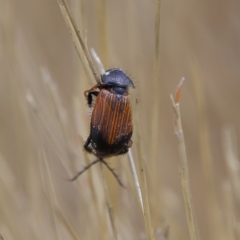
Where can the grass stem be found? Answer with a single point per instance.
(134, 172)
(109, 206)
(183, 169)
(79, 44)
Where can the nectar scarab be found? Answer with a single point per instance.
(111, 121)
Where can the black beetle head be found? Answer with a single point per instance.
(115, 77)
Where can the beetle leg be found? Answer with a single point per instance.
(98, 85)
(84, 169)
(90, 97)
(90, 92)
(88, 148)
(86, 145)
(93, 88)
(91, 164)
(112, 171)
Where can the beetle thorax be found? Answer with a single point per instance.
(119, 91)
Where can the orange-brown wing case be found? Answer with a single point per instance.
(111, 124)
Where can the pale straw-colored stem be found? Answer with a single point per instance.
(146, 209)
(232, 160)
(109, 206)
(183, 168)
(79, 44)
(52, 200)
(136, 181)
(233, 167)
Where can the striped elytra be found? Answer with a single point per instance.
(111, 124)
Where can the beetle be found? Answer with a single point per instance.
(111, 125)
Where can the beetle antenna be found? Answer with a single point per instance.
(84, 169)
(112, 171)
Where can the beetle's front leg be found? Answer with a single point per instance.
(88, 94)
(89, 97)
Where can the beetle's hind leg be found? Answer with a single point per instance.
(90, 150)
(112, 171)
(91, 164)
(84, 169)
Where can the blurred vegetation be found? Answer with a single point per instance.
(44, 119)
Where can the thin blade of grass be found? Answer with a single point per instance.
(156, 77)
(213, 208)
(53, 202)
(233, 167)
(134, 172)
(109, 206)
(146, 209)
(34, 107)
(79, 44)
(183, 169)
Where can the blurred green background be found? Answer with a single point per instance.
(44, 118)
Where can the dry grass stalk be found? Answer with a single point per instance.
(79, 44)
(134, 172)
(229, 211)
(183, 169)
(146, 209)
(48, 190)
(213, 210)
(156, 78)
(154, 152)
(51, 200)
(102, 20)
(109, 206)
(97, 60)
(57, 103)
(34, 107)
(233, 167)
(232, 160)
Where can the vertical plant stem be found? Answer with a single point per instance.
(34, 107)
(79, 44)
(134, 172)
(213, 207)
(146, 209)
(233, 167)
(183, 169)
(109, 206)
(52, 200)
(102, 20)
(155, 136)
(156, 77)
(232, 161)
